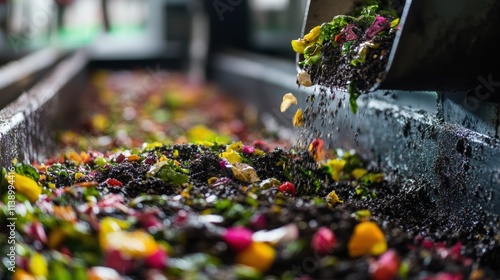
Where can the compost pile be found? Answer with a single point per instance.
(176, 181)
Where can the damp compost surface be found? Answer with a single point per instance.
(207, 200)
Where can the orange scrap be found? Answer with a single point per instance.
(367, 239)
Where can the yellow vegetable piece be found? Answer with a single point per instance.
(258, 152)
(163, 158)
(27, 187)
(74, 156)
(332, 198)
(236, 146)
(84, 157)
(21, 274)
(367, 239)
(313, 35)
(374, 178)
(99, 122)
(231, 156)
(151, 146)
(298, 119)
(201, 134)
(335, 167)
(78, 175)
(38, 265)
(136, 244)
(309, 39)
(288, 100)
(357, 173)
(133, 158)
(245, 173)
(109, 225)
(300, 45)
(258, 255)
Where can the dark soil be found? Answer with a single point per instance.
(336, 71)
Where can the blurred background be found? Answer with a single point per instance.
(149, 29)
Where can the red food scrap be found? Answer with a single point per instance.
(157, 260)
(120, 158)
(380, 24)
(316, 149)
(261, 145)
(386, 267)
(349, 33)
(238, 238)
(37, 232)
(247, 150)
(323, 240)
(288, 187)
(113, 182)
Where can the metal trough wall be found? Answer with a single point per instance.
(28, 124)
(458, 166)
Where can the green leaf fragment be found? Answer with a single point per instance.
(244, 272)
(353, 96)
(395, 23)
(27, 170)
(169, 172)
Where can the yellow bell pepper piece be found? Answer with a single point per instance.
(357, 173)
(136, 244)
(298, 118)
(38, 265)
(236, 146)
(99, 122)
(109, 225)
(336, 166)
(27, 187)
(309, 39)
(79, 175)
(231, 156)
(313, 35)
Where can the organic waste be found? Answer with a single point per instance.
(351, 51)
(176, 181)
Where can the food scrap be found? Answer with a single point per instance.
(288, 100)
(367, 239)
(298, 118)
(351, 51)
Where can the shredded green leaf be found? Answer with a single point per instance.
(27, 170)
